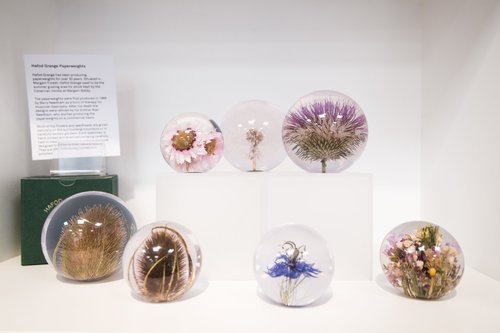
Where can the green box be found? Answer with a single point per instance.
(39, 195)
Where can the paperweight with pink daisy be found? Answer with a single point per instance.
(191, 142)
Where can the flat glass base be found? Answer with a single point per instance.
(78, 166)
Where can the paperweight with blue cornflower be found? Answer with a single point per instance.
(293, 265)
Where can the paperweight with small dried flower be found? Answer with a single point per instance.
(325, 131)
(422, 260)
(293, 265)
(191, 142)
(252, 133)
(84, 236)
(162, 261)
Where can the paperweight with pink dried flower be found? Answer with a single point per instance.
(293, 265)
(422, 260)
(191, 142)
(161, 261)
(325, 131)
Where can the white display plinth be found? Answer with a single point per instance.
(228, 212)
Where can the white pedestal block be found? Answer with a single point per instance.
(229, 211)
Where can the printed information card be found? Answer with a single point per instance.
(72, 106)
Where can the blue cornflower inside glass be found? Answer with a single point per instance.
(290, 265)
(292, 274)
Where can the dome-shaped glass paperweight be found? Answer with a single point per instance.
(252, 133)
(191, 142)
(325, 131)
(161, 261)
(293, 265)
(422, 260)
(84, 236)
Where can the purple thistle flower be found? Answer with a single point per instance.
(326, 130)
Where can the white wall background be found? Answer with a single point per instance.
(461, 122)
(174, 57)
(21, 30)
(205, 56)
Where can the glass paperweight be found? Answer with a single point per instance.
(252, 133)
(422, 260)
(325, 131)
(191, 142)
(293, 265)
(84, 236)
(161, 261)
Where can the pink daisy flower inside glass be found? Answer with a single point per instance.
(191, 142)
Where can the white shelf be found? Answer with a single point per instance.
(33, 299)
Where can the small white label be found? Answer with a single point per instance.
(72, 106)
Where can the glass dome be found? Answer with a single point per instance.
(252, 132)
(293, 265)
(191, 142)
(83, 237)
(161, 261)
(422, 260)
(325, 131)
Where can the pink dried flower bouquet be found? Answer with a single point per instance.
(422, 260)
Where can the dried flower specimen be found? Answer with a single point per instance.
(423, 263)
(91, 243)
(191, 143)
(325, 128)
(291, 266)
(286, 271)
(162, 267)
(254, 137)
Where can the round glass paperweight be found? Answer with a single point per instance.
(293, 265)
(325, 131)
(252, 133)
(422, 260)
(191, 142)
(161, 261)
(84, 236)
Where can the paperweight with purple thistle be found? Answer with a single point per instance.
(293, 265)
(325, 131)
